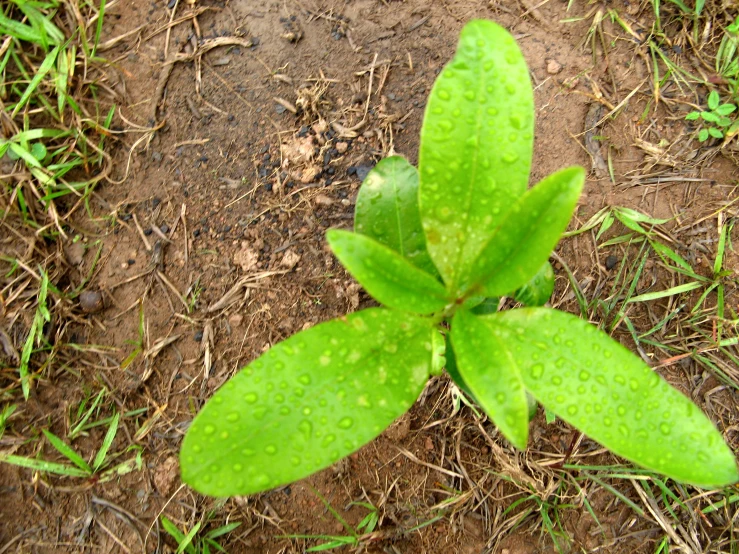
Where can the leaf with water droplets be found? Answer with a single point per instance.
(589, 380)
(492, 374)
(527, 236)
(476, 145)
(387, 211)
(453, 370)
(307, 402)
(539, 289)
(390, 278)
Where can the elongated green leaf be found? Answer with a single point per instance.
(43, 465)
(528, 235)
(386, 275)
(476, 145)
(107, 443)
(453, 370)
(43, 69)
(67, 451)
(539, 289)
(387, 211)
(492, 374)
(592, 382)
(307, 402)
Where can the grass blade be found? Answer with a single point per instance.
(107, 442)
(67, 452)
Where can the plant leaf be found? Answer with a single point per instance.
(692, 116)
(492, 374)
(713, 100)
(453, 370)
(387, 211)
(528, 235)
(710, 116)
(725, 109)
(67, 451)
(307, 402)
(539, 289)
(703, 135)
(476, 145)
(592, 382)
(386, 275)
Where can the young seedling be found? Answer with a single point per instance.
(100, 470)
(716, 118)
(192, 542)
(434, 246)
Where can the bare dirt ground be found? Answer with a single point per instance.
(249, 126)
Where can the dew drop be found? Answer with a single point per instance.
(259, 413)
(584, 375)
(270, 449)
(621, 410)
(295, 461)
(664, 428)
(444, 95)
(620, 379)
(624, 430)
(233, 416)
(238, 467)
(516, 121)
(510, 157)
(444, 213)
(328, 439)
(197, 449)
(607, 421)
(307, 411)
(703, 457)
(250, 397)
(470, 95)
(209, 430)
(634, 385)
(560, 363)
(572, 409)
(305, 379)
(500, 397)
(556, 380)
(224, 435)
(284, 410)
(537, 371)
(345, 423)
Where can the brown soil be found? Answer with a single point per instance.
(241, 190)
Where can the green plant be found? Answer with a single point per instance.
(192, 543)
(355, 536)
(727, 57)
(717, 115)
(436, 247)
(80, 467)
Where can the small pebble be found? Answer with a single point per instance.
(91, 301)
(362, 171)
(611, 262)
(553, 67)
(164, 228)
(198, 336)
